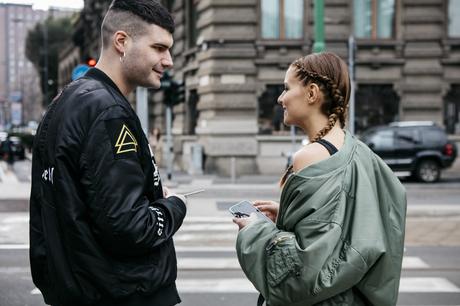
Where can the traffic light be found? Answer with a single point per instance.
(90, 61)
(174, 91)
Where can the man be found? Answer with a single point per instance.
(101, 225)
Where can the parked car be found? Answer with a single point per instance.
(419, 148)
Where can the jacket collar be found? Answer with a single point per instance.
(97, 74)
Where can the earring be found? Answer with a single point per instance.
(121, 57)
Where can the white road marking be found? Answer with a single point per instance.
(426, 284)
(14, 246)
(411, 262)
(243, 285)
(35, 291)
(207, 263)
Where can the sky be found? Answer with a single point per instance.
(44, 4)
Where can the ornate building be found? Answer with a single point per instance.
(232, 55)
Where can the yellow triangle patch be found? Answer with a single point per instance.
(126, 141)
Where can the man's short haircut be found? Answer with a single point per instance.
(132, 16)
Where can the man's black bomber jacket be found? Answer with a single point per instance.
(100, 228)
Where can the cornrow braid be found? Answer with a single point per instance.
(332, 90)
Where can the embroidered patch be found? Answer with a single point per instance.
(122, 138)
(126, 141)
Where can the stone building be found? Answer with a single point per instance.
(232, 56)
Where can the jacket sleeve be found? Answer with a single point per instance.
(311, 264)
(123, 218)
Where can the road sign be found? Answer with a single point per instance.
(79, 71)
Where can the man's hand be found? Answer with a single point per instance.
(242, 222)
(269, 208)
(167, 193)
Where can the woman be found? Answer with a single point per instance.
(339, 233)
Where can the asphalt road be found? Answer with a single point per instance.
(209, 274)
(16, 288)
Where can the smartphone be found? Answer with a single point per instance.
(245, 208)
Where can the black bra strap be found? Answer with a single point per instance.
(329, 146)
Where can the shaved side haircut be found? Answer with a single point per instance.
(133, 16)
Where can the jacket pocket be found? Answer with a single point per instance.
(282, 259)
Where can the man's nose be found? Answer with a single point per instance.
(167, 61)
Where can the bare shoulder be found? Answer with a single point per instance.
(309, 155)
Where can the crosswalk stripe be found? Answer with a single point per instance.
(199, 263)
(14, 246)
(230, 263)
(188, 263)
(187, 227)
(412, 262)
(243, 285)
(204, 249)
(426, 284)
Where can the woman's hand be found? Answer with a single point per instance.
(269, 208)
(242, 222)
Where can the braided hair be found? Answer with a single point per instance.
(330, 73)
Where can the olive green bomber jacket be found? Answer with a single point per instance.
(339, 236)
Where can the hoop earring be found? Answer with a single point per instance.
(122, 57)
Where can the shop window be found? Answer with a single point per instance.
(270, 113)
(282, 19)
(374, 19)
(452, 110)
(375, 105)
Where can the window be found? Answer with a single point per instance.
(282, 19)
(454, 18)
(376, 104)
(270, 113)
(374, 19)
(382, 140)
(433, 137)
(407, 137)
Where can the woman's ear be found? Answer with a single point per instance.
(313, 93)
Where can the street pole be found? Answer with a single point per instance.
(142, 108)
(351, 68)
(45, 54)
(169, 146)
(319, 44)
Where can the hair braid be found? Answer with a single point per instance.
(335, 109)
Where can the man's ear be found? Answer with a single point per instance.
(120, 39)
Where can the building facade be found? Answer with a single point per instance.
(19, 80)
(233, 54)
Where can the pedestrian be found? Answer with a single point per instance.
(155, 142)
(8, 153)
(101, 223)
(339, 232)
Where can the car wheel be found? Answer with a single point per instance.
(428, 171)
